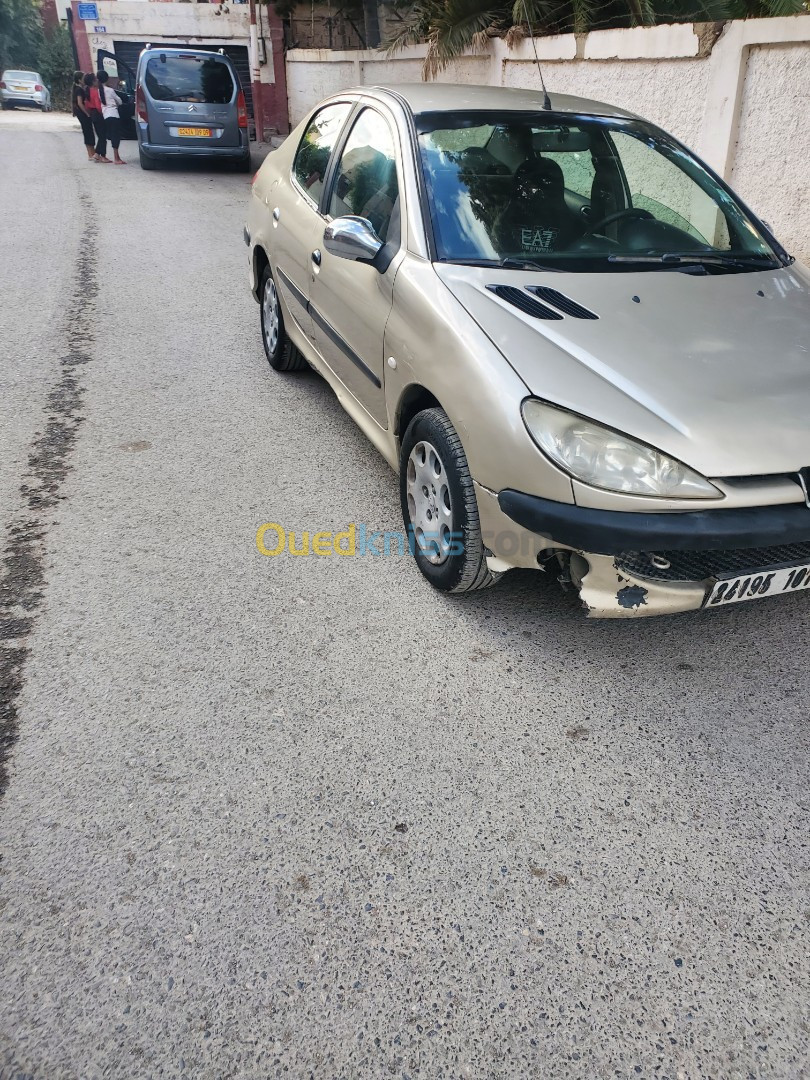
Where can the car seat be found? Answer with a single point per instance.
(536, 218)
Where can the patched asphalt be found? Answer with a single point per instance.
(302, 816)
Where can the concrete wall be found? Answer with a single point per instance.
(739, 94)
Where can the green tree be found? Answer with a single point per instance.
(56, 66)
(21, 37)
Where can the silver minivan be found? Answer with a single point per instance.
(188, 103)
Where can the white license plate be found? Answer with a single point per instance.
(759, 583)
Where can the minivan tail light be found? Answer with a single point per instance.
(39, 87)
(140, 105)
(2, 85)
(241, 109)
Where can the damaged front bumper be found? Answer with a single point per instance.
(609, 591)
(630, 564)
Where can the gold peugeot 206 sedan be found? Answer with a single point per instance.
(574, 343)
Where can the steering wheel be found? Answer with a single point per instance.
(630, 211)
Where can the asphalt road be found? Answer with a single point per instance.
(303, 817)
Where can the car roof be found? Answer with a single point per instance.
(448, 97)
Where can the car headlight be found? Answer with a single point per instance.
(606, 459)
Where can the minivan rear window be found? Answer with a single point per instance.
(206, 80)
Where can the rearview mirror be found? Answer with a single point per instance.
(353, 238)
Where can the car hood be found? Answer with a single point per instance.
(714, 370)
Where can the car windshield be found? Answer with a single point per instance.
(580, 194)
(205, 80)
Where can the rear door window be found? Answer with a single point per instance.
(315, 148)
(204, 80)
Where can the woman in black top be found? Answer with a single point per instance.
(82, 113)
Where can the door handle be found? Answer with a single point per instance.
(316, 256)
(276, 213)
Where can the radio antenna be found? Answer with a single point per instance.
(546, 98)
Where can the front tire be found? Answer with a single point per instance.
(281, 354)
(439, 507)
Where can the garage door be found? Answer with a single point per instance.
(129, 51)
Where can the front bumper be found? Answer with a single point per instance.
(610, 532)
(628, 564)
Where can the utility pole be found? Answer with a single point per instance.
(255, 76)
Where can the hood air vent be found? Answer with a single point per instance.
(518, 298)
(564, 303)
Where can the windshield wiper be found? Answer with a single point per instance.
(699, 258)
(528, 264)
(508, 263)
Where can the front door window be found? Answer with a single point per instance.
(366, 182)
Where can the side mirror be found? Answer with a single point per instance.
(353, 238)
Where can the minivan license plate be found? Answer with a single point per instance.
(759, 583)
(195, 133)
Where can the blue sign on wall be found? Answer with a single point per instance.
(88, 12)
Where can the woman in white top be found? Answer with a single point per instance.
(109, 110)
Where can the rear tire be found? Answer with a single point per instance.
(146, 162)
(244, 166)
(439, 506)
(281, 354)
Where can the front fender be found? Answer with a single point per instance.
(436, 344)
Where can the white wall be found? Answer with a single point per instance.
(774, 137)
(204, 22)
(742, 102)
(187, 23)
